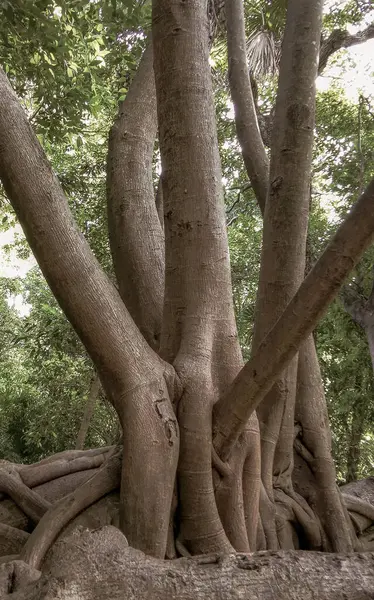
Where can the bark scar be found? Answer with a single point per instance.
(168, 421)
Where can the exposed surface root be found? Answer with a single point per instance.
(99, 565)
(103, 482)
(34, 475)
(31, 503)
(297, 524)
(70, 455)
(16, 575)
(301, 516)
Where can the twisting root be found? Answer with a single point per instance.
(30, 502)
(68, 455)
(34, 475)
(303, 515)
(46, 532)
(359, 506)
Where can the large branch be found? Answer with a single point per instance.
(339, 39)
(87, 297)
(99, 565)
(249, 136)
(132, 374)
(135, 232)
(298, 320)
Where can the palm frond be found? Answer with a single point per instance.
(265, 25)
(263, 52)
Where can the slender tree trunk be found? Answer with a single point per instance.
(253, 152)
(285, 228)
(88, 412)
(313, 442)
(135, 232)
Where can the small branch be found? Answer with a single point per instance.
(232, 220)
(248, 132)
(234, 204)
(354, 304)
(35, 113)
(342, 39)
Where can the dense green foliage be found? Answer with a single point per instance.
(71, 61)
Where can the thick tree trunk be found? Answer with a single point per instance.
(199, 334)
(71, 572)
(217, 507)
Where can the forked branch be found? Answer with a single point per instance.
(342, 39)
